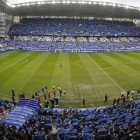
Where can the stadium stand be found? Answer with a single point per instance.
(69, 35)
(71, 27)
(29, 121)
(104, 123)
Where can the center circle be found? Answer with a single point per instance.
(89, 66)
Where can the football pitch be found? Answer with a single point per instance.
(83, 75)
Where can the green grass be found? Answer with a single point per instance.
(83, 75)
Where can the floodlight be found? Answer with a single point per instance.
(42, 2)
(83, 2)
(104, 3)
(126, 6)
(131, 7)
(64, 1)
(68, 1)
(53, 2)
(114, 4)
(89, 2)
(119, 5)
(94, 2)
(32, 3)
(109, 4)
(27, 4)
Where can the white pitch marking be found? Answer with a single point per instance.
(14, 64)
(23, 62)
(106, 73)
(96, 68)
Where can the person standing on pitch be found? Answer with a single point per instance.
(84, 102)
(13, 99)
(36, 95)
(118, 101)
(45, 88)
(106, 98)
(33, 96)
(52, 101)
(128, 93)
(124, 100)
(114, 102)
(64, 91)
(49, 95)
(39, 100)
(53, 87)
(45, 96)
(60, 91)
(138, 94)
(13, 92)
(122, 95)
(54, 93)
(38, 92)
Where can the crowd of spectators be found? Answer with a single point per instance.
(115, 122)
(118, 122)
(77, 39)
(5, 105)
(3, 44)
(5, 108)
(74, 43)
(74, 35)
(73, 27)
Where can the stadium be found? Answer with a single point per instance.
(69, 70)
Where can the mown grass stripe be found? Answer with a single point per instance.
(43, 74)
(122, 73)
(9, 76)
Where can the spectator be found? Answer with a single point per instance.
(1, 110)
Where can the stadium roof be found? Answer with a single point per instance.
(128, 2)
(71, 8)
